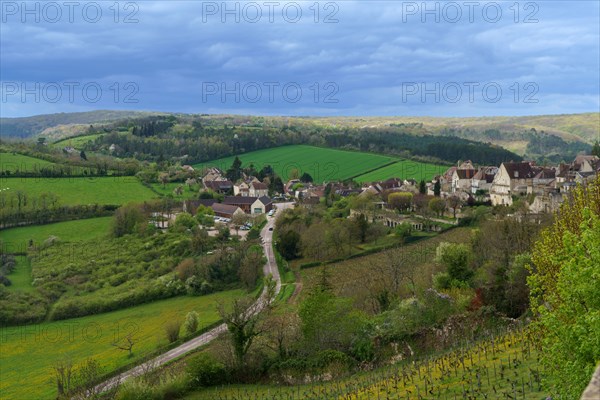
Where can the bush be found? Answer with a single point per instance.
(191, 322)
(172, 329)
(205, 370)
(168, 386)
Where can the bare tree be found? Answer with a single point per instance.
(178, 191)
(63, 373)
(283, 330)
(238, 220)
(454, 202)
(127, 344)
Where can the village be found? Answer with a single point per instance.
(395, 201)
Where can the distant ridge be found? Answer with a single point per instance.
(584, 127)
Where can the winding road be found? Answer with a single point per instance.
(270, 267)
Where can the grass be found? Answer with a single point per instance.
(74, 191)
(21, 276)
(78, 141)
(168, 188)
(18, 162)
(70, 231)
(321, 163)
(405, 169)
(504, 367)
(28, 353)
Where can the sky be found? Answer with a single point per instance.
(316, 58)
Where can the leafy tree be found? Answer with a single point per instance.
(422, 187)
(456, 258)
(242, 325)
(250, 268)
(276, 185)
(288, 244)
(438, 206)
(126, 219)
(362, 226)
(306, 178)
(402, 201)
(184, 221)
(565, 292)
(596, 149)
(437, 188)
(329, 322)
(403, 230)
(234, 173)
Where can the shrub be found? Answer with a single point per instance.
(172, 329)
(167, 386)
(191, 322)
(205, 370)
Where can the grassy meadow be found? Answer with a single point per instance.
(168, 188)
(27, 353)
(321, 163)
(405, 169)
(69, 231)
(74, 191)
(18, 162)
(21, 276)
(78, 141)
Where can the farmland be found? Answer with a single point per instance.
(506, 366)
(29, 352)
(405, 169)
(18, 162)
(70, 231)
(321, 163)
(354, 277)
(72, 191)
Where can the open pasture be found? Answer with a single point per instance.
(28, 353)
(81, 191)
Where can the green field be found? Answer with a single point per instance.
(18, 162)
(405, 169)
(322, 164)
(28, 353)
(69, 231)
(168, 188)
(73, 191)
(77, 142)
(21, 276)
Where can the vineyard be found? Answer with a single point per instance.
(501, 367)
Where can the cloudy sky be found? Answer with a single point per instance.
(301, 58)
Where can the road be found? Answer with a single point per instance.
(270, 267)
